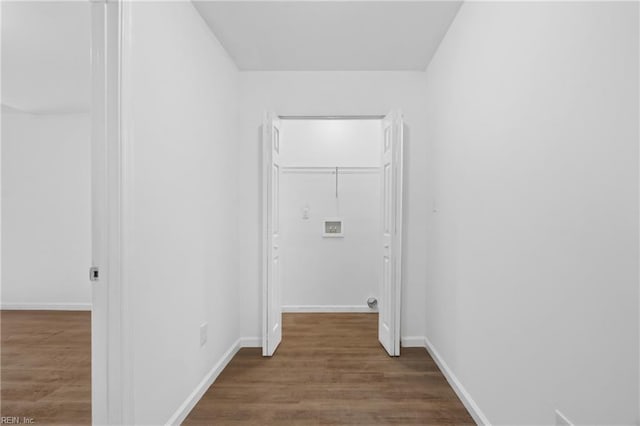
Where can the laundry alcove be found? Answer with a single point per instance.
(332, 257)
(330, 173)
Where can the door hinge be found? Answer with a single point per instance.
(94, 273)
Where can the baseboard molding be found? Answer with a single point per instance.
(327, 308)
(45, 306)
(471, 406)
(185, 408)
(412, 342)
(251, 342)
(562, 420)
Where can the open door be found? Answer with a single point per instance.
(272, 275)
(391, 253)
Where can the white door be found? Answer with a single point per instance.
(391, 260)
(272, 274)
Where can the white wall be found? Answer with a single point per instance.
(333, 93)
(532, 294)
(330, 143)
(46, 211)
(181, 132)
(326, 273)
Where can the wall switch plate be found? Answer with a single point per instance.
(561, 420)
(203, 333)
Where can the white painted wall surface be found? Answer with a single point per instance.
(318, 271)
(181, 132)
(327, 271)
(533, 253)
(330, 143)
(46, 211)
(333, 93)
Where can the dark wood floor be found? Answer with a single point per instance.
(45, 359)
(330, 369)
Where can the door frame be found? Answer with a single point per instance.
(111, 357)
(265, 258)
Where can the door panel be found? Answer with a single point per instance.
(272, 275)
(275, 179)
(391, 254)
(386, 199)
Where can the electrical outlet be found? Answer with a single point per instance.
(561, 420)
(203, 333)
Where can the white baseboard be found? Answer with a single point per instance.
(185, 408)
(562, 420)
(45, 306)
(471, 406)
(412, 342)
(327, 308)
(251, 342)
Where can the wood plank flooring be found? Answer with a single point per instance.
(45, 360)
(330, 370)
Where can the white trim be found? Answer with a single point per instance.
(327, 308)
(398, 198)
(638, 301)
(45, 306)
(111, 379)
(100, 34)
(331, 117)
(194, 397)
(266, 240)
(329, 170)
(185, 408)
(126, 212)
(251, 342)
(562, 420)
(112, 342)
(458, 388)
(412, 342)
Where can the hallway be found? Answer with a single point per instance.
(330, 369)
(455, 182)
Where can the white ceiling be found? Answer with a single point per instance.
(46, 44)
(329, 35)
(46, 55)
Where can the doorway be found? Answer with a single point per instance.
(46, 309)
(332, 209)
